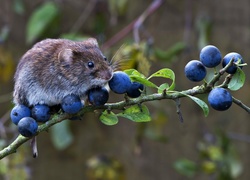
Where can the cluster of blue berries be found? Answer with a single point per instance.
(210, 56)
(27, 118)
(121, 84)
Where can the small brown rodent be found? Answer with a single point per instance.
(54, 68)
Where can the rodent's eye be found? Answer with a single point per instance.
(91, 64)
(105, 59)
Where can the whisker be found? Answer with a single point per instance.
(117, 52)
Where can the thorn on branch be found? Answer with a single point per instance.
(33, 145)
(178, 109)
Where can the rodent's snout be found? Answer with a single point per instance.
(107, 74)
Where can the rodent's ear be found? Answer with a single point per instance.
(65, 55)
(92, 41)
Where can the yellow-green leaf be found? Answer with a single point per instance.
(108, 118)
(138, 77)
(162, 87)
(136, 113)
(165, 73)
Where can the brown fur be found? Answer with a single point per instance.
(54, 68)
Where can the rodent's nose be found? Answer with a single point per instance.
(108, 75)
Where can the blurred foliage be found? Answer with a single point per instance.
(7, 65)
(216, 158)
(43, 22)
(74, 36)
(15, 167)
(104, 168)
(135, 56)
(61, 135)
(204, 28)
(171, 53)
(186, 167)
(155, 129)
(19, 7)
(118, 8)
(4, 34)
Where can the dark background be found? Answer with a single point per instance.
(174, 21)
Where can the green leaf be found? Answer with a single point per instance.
(236, 167)
(165, 73)
(237, 80)
(40, 20)
(118, 7)
(138, 77)
(162, 87)
(19, 7)
(134, 72)
(201, 103)
(61, 135)
(186, 167)
(136, 113)
(74, 36)
(108, 118)
(143, 81)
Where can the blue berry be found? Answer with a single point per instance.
(220, 99)
(195, 71)
(27, 126)
(120, 82)
(228, 57)
(18, 112)
(135, 90)
(41, 112)
(98, 96)
(210, 56)
(71, 104)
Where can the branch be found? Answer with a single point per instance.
(174, 95)
(241, 104)
(57, 118)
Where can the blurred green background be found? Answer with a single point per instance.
(213, 147)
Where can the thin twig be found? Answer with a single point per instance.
(241, 104)
(152, 7)
(121, 34)
(84, 16)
